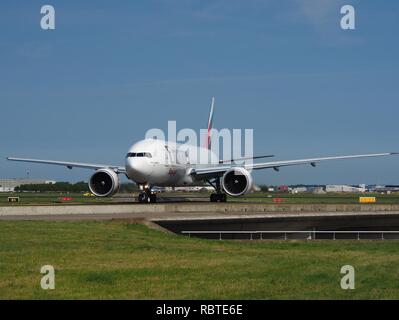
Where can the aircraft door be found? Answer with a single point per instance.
(183, 157)
(170, 155)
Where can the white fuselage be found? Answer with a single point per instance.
(165, 163)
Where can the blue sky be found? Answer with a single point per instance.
(112, 70)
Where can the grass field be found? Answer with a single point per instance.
(310, 198)
(32, 198)
(304, 198)
(128, 261)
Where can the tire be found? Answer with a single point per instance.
(153, 198)
(218, 197)
(143, 198)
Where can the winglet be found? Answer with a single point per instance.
(210, 124)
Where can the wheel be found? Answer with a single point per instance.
(153, 198)
(143, 197)
(218, 197)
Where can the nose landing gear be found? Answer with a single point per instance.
(146, 196)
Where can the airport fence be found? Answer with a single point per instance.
(296, 234)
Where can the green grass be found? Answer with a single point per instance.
(309, 198)
(259, 197)
(127, 261)
(46, 198)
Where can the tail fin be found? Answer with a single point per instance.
(210, 124)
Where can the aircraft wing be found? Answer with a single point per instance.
(71, 165)
(204, 173)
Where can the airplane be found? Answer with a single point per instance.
(154, 163)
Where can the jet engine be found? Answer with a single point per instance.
(236, 181)
(104, 183)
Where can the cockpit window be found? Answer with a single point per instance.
(139, 155)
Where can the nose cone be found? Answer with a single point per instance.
(138, 169)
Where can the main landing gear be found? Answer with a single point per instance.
(218, 196)
(146, 196)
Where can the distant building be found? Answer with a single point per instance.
(387, 188)
(318, 190)
(299, 190)
(344, 188)
(9, 185)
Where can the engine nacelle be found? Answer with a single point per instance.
(237, 181)
(104, 183)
